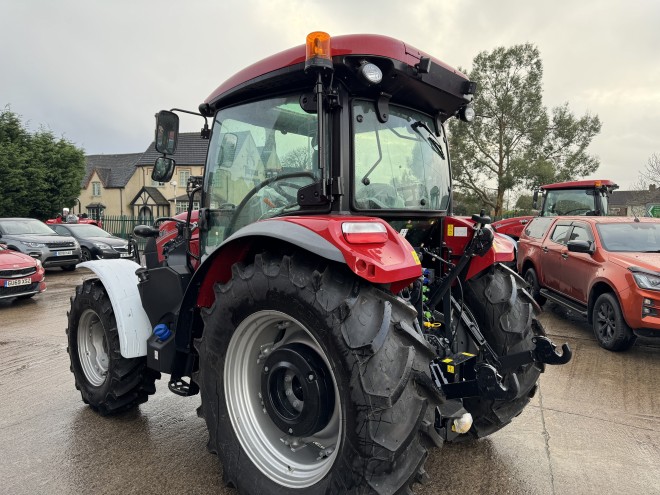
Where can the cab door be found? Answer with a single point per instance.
(552, 249)
(579, 268)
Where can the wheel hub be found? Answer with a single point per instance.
(297, 390)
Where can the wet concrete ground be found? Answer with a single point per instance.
(593, 428)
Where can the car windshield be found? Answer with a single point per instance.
(640, 237)
(88, 231)
(22, 227)
(399, 164)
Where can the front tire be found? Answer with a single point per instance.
(356, 429)
(108, 382)
(505, 314)
(610, 328)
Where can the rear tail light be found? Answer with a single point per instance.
(364, 232)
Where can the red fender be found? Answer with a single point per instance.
(392, 261)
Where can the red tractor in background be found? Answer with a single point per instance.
(584, 197)
(335, 318)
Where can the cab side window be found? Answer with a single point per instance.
(559, 234)
(580, 233)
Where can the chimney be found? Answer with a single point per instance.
(652, 187)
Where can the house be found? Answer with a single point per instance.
(121, 184)
(640, 203)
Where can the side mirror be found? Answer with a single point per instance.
(576, 246)
(163, 169)
(535, 199)
(167, 132)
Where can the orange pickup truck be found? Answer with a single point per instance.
(605, 268)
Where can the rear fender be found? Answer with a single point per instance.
(120, 282)
(393, 262)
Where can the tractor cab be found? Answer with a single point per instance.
(586, 197)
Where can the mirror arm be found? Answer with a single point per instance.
(206, 132)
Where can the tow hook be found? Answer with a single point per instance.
(544, 352)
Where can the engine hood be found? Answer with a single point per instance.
(12, 259)
(649, 261)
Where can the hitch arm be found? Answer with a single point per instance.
(544, 352)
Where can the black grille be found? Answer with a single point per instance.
(57, 260)
(121, 249)
(17, 273)
(59, 245)
(21, 289)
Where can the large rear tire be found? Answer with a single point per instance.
(108, 382)
(314, 381)
(505, 314)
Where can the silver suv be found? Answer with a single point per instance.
(35, 238)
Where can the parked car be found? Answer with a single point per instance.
(38, 240)
(21, 276)
(95, 243)
(606, 268)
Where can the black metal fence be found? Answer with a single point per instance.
(122, 226)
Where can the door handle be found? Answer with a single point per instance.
(564, 255)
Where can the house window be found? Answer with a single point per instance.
(183, 178)
(182, 206)
(96, 188)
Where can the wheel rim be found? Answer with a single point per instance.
(606, 321)
(285, 458)
(92, 348)
(86, 255)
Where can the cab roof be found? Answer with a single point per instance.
(286, 70)
(581, 184)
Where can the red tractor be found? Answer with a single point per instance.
(583, 197)
(335, 318)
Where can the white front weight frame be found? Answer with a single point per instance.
(121, 283)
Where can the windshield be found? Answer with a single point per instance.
(88, 231)
(260, 154)
(20, 227)
(569, 202)
(641, 237)
(400, 164)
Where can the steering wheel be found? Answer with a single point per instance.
(230, 228)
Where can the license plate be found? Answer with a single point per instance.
(63, 253)
(125, 255)
(16, 283)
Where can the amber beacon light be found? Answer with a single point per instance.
(318, 50)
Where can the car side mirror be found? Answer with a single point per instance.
(577, 246)
(535, 199)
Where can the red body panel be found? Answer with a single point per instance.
(458, 231)
(362, 44)
(168, 232)
(98, 223)
(512, 226)
(580, 184)
(393, 262)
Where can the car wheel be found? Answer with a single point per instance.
(86, 254)
(611, 330)
(534, 288)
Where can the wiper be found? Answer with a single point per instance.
(433, 142)
(365, 179)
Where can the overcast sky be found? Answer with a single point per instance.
(96, 72)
